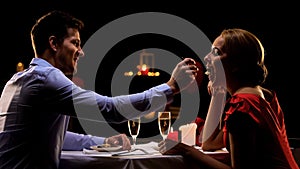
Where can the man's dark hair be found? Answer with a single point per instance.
(54, 23)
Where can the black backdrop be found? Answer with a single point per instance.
(275, 24)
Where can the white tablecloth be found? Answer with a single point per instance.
(92, 159)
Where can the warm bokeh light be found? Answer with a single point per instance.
(20, 67)
(130, 73)
(144, 67)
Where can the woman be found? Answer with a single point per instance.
(252, 128)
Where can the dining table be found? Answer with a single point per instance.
(143, 156)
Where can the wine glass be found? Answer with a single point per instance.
(134, 129)
(164, 123)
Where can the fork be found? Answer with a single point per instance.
(129, 151)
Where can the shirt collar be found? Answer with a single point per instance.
(40, 62)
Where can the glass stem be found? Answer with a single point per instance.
(134, 142)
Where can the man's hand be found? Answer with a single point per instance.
(183, 75)
(120, 139)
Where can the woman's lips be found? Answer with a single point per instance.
(209, 72)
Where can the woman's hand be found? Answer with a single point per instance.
(218, 78)
(171, 147)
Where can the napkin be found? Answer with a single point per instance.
(188, 133)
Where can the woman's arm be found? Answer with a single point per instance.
(202, 160)
(212, 136)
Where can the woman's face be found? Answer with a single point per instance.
(214, 66)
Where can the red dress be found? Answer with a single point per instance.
(269, 117)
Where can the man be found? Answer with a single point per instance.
(36, 103)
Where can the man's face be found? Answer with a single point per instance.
(68, 53)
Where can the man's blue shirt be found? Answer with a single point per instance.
(35, 106)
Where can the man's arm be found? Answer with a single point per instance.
(76, 142)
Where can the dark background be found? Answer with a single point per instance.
(276, 24)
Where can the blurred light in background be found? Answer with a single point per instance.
(20, 67)
(146, 66)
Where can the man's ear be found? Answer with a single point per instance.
(53, 43)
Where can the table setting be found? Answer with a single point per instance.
(144, 153)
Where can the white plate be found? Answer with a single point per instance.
(106, 148)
